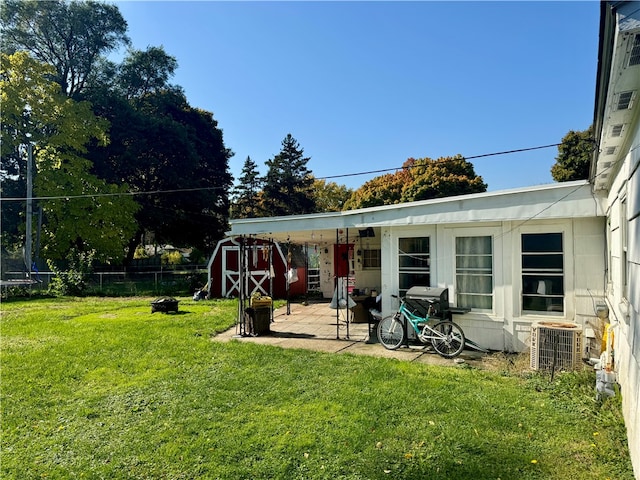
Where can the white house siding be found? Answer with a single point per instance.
(623, 308)
(506, 327)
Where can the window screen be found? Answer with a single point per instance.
(542, 272)
(413, 263)
(474, 272)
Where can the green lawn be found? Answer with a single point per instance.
(101, 388)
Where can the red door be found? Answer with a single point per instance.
(343, 259)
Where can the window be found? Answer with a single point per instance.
(413, 263)
(542, 272)
(634, 57)
(474, 272)
(371, 259)
(624, 267)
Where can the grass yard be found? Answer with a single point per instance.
(100, 388)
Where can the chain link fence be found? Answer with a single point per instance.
(117, 283)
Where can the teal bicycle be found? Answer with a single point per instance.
(446, 337)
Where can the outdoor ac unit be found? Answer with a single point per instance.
(556, 345)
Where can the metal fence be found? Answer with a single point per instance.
(161, 281)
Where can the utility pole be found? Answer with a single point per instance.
(28, 239)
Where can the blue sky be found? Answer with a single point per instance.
(365, 85)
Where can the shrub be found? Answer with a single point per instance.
(72, 281)
(172, 258)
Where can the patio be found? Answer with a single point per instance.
(313, 327)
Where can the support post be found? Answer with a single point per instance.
(347, 310)
(28, 238)
(336, 282)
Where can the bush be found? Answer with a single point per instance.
(73, 280)
(172, 258)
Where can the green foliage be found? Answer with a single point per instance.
(70, 36)
(77, 216)
(160, 143)
(382, 190)
(73, 279)
(247, 193)
(173, 257)
(444, 177)
(574, 156)
(145, 72)
(288, 185)
(330, 197)
(197, 256)
(419, 179)
(34, 109)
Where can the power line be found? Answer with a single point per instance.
(344, 175)
(370, 172)
(118, 194)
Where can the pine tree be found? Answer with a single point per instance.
(288, 186)
(246, 195)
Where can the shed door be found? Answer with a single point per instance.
(256, 281)
(230, 270)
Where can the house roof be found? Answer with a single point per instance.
(553, 201)
(617, 102)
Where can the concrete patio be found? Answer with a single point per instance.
(315, 327)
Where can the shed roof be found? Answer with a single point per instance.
(553, 201)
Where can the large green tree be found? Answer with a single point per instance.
(574, 156)
(170, 155)
(82, 212)
(71, 36)
(161, 144)
(288, 184)
(419, 179)
(381, 190)
(444, 177)
(330, 197)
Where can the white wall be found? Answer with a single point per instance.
(364, 277)
(506, 327)
(624, 308)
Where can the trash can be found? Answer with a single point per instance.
(261, 315)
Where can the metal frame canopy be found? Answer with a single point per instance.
(558, 200)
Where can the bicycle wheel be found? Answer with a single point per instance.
(447, 339)
(390, 332)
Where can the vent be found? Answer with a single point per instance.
(624, 101)
(616, 130)
(610, 150)
(634, 58)
(556, 345)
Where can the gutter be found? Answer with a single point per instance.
(605, 57)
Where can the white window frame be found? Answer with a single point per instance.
(567, 252)
(624, 248)
(492, 273)
(367, 255)
(429, 270)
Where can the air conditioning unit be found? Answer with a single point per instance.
(556, 345)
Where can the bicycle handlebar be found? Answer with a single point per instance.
(430, 301)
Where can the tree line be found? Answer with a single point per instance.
(121, 158)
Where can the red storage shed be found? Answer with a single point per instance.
(265, 266)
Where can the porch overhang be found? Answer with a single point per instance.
(553, 201)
